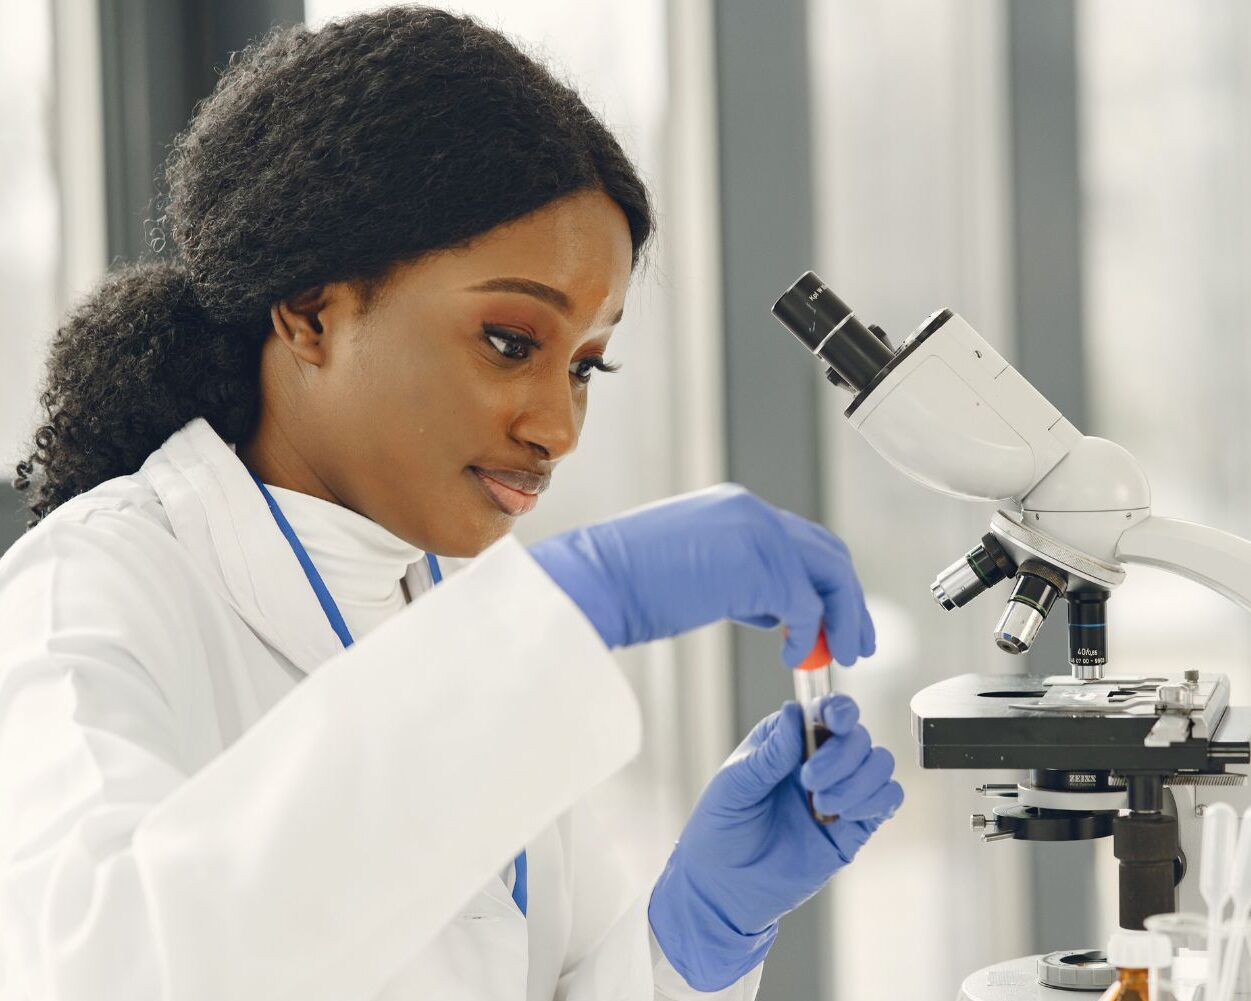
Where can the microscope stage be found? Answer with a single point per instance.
(988, 721)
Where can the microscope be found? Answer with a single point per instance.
(1136, 758)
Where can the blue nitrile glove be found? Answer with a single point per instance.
(752, 851)
(721, 553)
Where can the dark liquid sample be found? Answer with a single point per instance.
(816, 734)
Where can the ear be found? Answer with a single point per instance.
(297, 322)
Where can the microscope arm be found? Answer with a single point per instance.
(1217, 560)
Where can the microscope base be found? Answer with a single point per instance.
(1015, 980)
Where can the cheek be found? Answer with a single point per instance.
(396, 408)
(484, 405)
(451, 418)
(401, 376)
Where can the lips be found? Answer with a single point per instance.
(514, 491)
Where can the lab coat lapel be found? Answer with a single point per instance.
(216, 510)
(497, 892)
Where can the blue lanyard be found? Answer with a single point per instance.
(520, 881)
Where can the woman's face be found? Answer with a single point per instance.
(442, 410)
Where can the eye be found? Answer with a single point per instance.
(582, 369)
(509, 343)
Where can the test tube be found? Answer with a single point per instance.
(812, 681)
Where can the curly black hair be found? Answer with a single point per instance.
(321, 156)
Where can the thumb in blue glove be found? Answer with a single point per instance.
(751, 850)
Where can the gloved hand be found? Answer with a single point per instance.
(752, 851)
(721, 553)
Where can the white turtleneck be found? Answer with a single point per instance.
(361, 562)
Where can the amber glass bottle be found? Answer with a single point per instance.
(1131, 985)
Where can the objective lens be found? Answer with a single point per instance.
(1037, 587)
(827, 327)
(982, 567)
(957, 585)
(1088, 634)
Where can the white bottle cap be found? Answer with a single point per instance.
(1140, 950)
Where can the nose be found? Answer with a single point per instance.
(550, 422)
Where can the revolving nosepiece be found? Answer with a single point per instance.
(1038, 585)
(828, 327)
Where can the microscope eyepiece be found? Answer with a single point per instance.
(828, 327)
(1037, 587)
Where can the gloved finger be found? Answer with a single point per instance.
(844, 607)
(819, 533)
(836, 760)
(803, 619)
(839, 713)
(780, 594)
(843, 796)
(753, 775)
(868, 635)
(828, 564)
(877, 808)
(801, 565)
(842, 595)
(760, 621)
(829, 568)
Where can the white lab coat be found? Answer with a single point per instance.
(203, 796)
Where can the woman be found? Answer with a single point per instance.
(401, 248)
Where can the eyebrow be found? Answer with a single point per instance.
(528, 286)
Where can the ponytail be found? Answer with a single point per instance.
(134, 363)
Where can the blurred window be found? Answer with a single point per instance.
(1166, 171)
(911, 173)
(29, 235)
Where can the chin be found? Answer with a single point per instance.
(474, 539)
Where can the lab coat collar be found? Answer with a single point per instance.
(217, 512)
